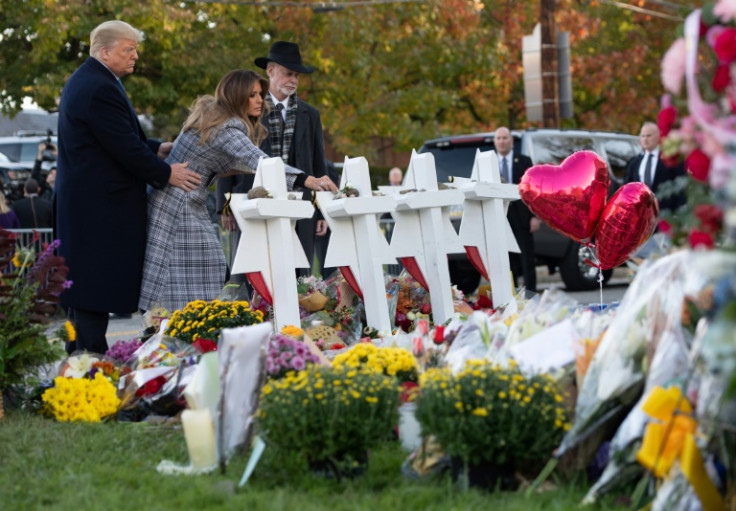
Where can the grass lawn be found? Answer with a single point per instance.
(112, 466)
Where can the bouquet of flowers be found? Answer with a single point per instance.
(287, 355)
(488, 413)
(703, 60)
(394, 362)
(122, 351)
(312, 293)
(205, 320)
(329, 415)
(81, 399)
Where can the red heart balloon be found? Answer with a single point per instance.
(569, 197)
(627, 221)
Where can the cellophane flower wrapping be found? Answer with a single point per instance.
(616, 375)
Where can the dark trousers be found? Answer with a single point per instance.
(91, 327)
(305, 232)
(524, 264)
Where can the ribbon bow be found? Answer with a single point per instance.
(672, 438)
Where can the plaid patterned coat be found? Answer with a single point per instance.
(184, 260)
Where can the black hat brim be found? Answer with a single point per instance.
(262, 62)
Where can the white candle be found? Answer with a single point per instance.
(199, 433)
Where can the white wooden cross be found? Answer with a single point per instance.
(269, 250)
(423, 234)
(357, 245)
(485, 231)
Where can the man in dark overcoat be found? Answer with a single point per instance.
(104, 164)
(294, 130)
(650, 168)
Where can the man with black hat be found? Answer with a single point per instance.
(294, 128)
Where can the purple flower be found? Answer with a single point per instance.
(270, 367)
(300, 349)
(298, 363)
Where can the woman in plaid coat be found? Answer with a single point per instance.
(184, 260)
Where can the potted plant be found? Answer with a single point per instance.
(204, 320)
(29, 290)
(491, 419)
(330, 416)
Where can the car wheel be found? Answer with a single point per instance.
(576, 273)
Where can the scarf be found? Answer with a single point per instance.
(281, 133)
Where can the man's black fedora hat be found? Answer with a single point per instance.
(287, 54)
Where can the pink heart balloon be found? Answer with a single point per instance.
(627, 221)
(569, 197)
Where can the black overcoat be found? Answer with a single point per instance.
(103, 166)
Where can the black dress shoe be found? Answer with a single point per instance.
(116, 315)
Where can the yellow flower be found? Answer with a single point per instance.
(71, 333)
(502, 395)
(480, 412)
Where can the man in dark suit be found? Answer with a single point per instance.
(33, 211)
(104, 164)
(294, 130)
(523, 223)
(649, 168)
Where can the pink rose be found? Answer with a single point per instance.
(720, 168)
(725, 10)
(673, 66)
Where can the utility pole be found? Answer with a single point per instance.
(550, 87)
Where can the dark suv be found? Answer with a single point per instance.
(17, 157)
(454, 156)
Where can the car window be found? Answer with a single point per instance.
(456, 158)
(28, 151)
(619, 152)
(554, 149)
(11, 150)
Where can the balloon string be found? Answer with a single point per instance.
(596, 264)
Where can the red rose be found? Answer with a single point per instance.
(665, 227)
(699, 238)
(204, 345)
(721, 78)
(725, 45)
(666, 120)
(698, 165)
(710, 216)
(483, 302)
(703, 29)
(426, 308)
(439, 334)
(151, 387)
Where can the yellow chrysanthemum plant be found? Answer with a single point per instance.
(489, 414)
(81, 399)
(395, 362)
(205, 320)
(331, 416)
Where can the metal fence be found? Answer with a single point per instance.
(26, 236)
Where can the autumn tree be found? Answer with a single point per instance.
(391, 73)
